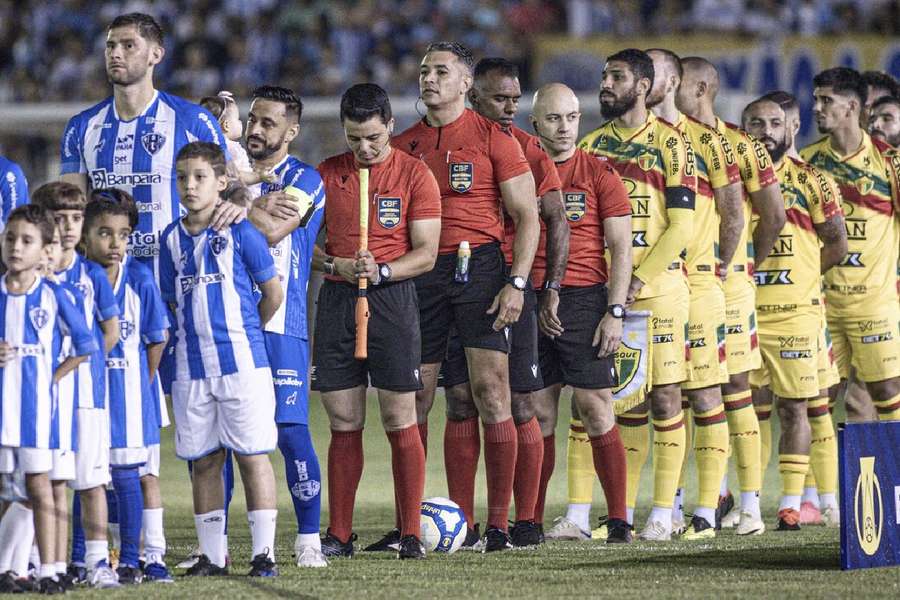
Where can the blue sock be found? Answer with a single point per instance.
(304, 479)
(127, 484)
(112, 506)
(78, 547)
(228, 476)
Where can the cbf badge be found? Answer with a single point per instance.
(576, 205)
(461, 176)
(388, 211)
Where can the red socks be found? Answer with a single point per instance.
(609, 462)
(345, 465)
(462, 447)
(500, 445)
(408, 466)
(528, 468)
(548, 463)
(423, 435)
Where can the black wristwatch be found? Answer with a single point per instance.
(552, 285)
(616, 310)
(384, 272)
(328, 266)
(517, 282)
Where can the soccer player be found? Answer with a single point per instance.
(658, 169)
(695, 98)
(480, 168)
(222, 392)
(37, 315)
(884, 120)
(404, 229)
(273, 123)
(788, 299)
(578, 350)
(861, 292)
(13, 188)
(878, 85)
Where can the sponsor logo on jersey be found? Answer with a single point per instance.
(29, 350)
(792, 341)
(461, 177)
(773, 277)
(734, 329)
(639, 239)
(125, 143)
(698, 343)
(878, 337)
(868, 507)
(852, 259)
(144, 245)
(666, 338)
(153, 141)
(871, 324)
(387, 209)
(189, 282)
(101, 178)
(795, 354)
(292, 381)
(39, 317)
(856, 229)
(576, 205)
(116, 363)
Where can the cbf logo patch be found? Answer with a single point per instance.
(388, 211)
(39, 317)
(218, 244)
(153, 141)
(461, 177)
(576, 205)
(126, 328)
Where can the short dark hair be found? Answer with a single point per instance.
(843, 80)
(885, 81)
(501, 66)
(785, 100)
(292, 103)
(885, 100)
(363, 101)
(207, 151)
(59, 195)
(146, 26)
(638, 61)
(37, 215)
(461, 52)
(110, 201)
(671, 58)
(215, 105)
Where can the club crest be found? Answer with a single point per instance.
(153, 142)
(646, 161)
(627, 361)
(126, 328)
(39, 317)
(218, 244)
(388, 210)
(864, 185)
(461, 177)
(576, 205)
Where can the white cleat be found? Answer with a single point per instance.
(750, 524)
(678, 526)
(565, 529)
(103, 577)
(656, 531)
(308, 556)
(732, 519)
(831, 516)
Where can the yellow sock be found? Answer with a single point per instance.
(792, 468)
(668, 454)
(688, 436)
(710, 453)
(823, 459)
(744, 432)
(634, 429)
(888, 410)
(580, 465)
(763, 413)
(810, 481)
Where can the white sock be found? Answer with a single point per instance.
(828, 500)
(224, 544)
(262, 531)
(580, 514)
(723, 487)
(115, 536)
(154, 535)
(12, 528)
(678, 504)
(34, 557)
(707, 513)
(789, 502)
(61, 567)
(23, 543)
(662, 515)
(210, 527)
(47, 571)
(811, 495)
(94, 552)
(308, 539)
(629, 514)
(750, 503)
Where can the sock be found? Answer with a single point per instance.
(792, 502)
(308, 539)
(750, 503)
(662, 515)
(228, 482)
(95, 551)
(13, 527)
(529, 457)
(688, 438)
(112, 523)
(711, 454)
(462, 448)
(579, 465)
(634, 429)
(345, 465)
(828, 500)
(154, 535)
(262, 531)
(629, 514)
(810, 480)
(792, 468)
(763, 413)
(678, 505)
(304, 478)
(210, 530)
(408, 466)
(705, 512)
(668, 453)
(888, 410)
(78, 546)
(744, 435)
(130, 501)
(423, 434)
(823, 458)
(810, 494)
(723, 486)
(609, 461)
(47, 571)
(547, 465)
(500, 447)
(34, 555)
(580, 514)
(60, 567)
(23, 545)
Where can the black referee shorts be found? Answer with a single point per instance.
(444, 303)
(394, 345)
(570, 359)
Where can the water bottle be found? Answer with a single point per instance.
(463, 254)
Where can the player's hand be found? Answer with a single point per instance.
(548, 321)
(227, 214)
(633, 290)
(7, 353)
(266, 175)
(608, 335)
(281, 205)
(508, 306)
(366, 267)
(346, 268)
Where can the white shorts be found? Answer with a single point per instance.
(128, 457)
(63, 465)
(234, 411)
(27, 460)
(151, 467)
(92, 457)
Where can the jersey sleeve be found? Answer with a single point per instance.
(105, 301)
(678, 161)
(154, 322)
(756, 166)
(425, 195)
(71, 157)
(715, 161)
(611, 194)
(13, 189)
(166, 271)
(254, 252)
(506, 156)
(732, 169)
(72, 321)
(829, 194)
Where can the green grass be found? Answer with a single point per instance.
(779, 565)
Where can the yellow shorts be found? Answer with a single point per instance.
(741, 338)
(871, 344)
(706, 335)
(789, 345)
(828, 371)
(669, 330)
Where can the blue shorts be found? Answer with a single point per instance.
(289, 361)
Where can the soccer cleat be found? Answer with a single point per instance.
(28, 584)
(788, 520)
(524, 534)
(262, 566)
(732, 519)
(205, 568)
(831, 516)
(619, 532)
(411, 548)
(726, 504)
(308, 556)
(191, 560)
(78, 573)
(699, 529)
(473, 539)
(103, 577)
(129, 575)
(495, 540)
(600, 532)
(810, 514)
(656, 531)
(750, 524)
(564, 529)
(678, 526)
(66, 580)
(157, 572)
(334, 548)
(8, 584)
(50, 586)
(389, 543)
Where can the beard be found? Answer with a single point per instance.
(777, 149)
(619, 106)
(266, 151)
(893, 140)
(124, 77)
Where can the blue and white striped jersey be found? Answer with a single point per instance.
(138, 156)
(34, 324)
(293, 254)
(65, 389)
(209, 279)
(133, 403)
(13, 188)
(99, 305)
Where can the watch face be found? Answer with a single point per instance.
(519, 283)
(617, 311)
(385, 271)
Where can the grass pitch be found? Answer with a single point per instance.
(778, 565)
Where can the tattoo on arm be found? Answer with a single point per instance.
(554, 216)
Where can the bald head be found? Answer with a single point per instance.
(699, 85)
(555, 117)
(552, 97)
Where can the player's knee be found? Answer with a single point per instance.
(762, 397)
(665, 401)
(705, 399)
(882, 390)
(737, 383)
(522, 407)
(493, 401)
(791, 413)
(460, 405)
(596, 411)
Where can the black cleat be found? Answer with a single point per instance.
(262, 566)
(28, 584)
(411, 547)
(473, 536)
(726, 503)
(204, 568)
(525, 533)
(618, 532)
(334, 548)
(129, 575)
(78, 573)
(8, 584)
(495, 539)
(389, 543)
(66, 580)
(540, 527)
(49, 586)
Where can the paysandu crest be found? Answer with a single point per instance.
(868, 507)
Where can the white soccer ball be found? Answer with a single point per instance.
(442, 525)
